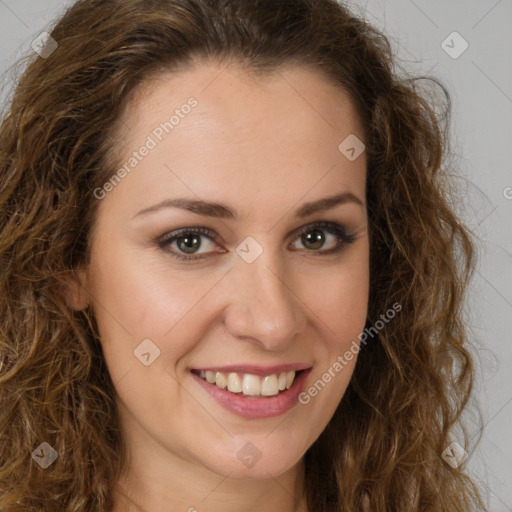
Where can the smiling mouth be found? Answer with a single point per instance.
(247, 384)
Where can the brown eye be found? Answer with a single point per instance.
(185, 243)
(188, 244)
(314, 239)
(316, 236)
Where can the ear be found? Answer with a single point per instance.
(74, 289)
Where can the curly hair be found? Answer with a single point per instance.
(382, 448)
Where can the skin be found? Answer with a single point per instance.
(264, 148)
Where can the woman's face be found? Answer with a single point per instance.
(276, 281)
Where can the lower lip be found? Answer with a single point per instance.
(256, 407)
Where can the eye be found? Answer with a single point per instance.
(316, 236)
(185, 243)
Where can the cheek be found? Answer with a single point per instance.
(140, 298)
(340, 305)
(339, 299)
(144, 297)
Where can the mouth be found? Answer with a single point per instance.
(254, 392)
(249, 384)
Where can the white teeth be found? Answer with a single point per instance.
(269, 386)
(222, 380)
(289, 379)
(249, 384)
(234, 383)
(282, 381)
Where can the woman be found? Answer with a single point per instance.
(231, 275)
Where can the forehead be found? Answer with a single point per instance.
(224, 87)
(278, 133)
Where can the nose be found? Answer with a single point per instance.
(264, 304)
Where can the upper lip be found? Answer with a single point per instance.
(255, 369)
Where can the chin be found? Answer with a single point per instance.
(256, 459)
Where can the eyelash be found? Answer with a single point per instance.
(330, 227)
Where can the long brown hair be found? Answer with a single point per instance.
(382, 449)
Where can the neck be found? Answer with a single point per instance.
(134, 492)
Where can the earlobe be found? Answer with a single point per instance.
(75, 289)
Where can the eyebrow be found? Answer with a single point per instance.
(222, 211)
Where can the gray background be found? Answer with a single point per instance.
(480, 83)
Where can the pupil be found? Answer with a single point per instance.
(315, 238)
(189, 244)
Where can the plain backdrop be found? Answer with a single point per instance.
(479, 80)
